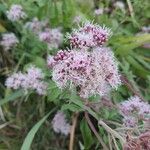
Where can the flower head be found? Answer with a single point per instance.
(134, 107)
(53, 37)
(15, 80)
(35, 73)
(16, 13)
(60, 124)
(93, 72)
(9, 40)
(130, 121)
(89, 35)
(33, 80)
(35, 25)
(45, 36)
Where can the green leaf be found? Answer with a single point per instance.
(125, 45)
(71, 107)
(11, 97)
(68, 12)
(78, 101)
(139, 69)
(29, 138)
(142, 61)
(86, 134)
(54, 13)
(41, 3)
(2, 8)
(39, 62)
(54, 94)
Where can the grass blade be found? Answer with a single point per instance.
(30, 136)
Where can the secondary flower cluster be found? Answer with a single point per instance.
(60, 124)
(16, 13)
(9, 40)
(53, 37)
(35, 25)
(93, 71)
(32, 80)
(134, 110)
(89, 35)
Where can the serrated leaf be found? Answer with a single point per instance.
(54, 94)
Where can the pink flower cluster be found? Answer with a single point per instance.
(89, 35)
(35, 25)
(130, 121)
(93, 72)
(16, 13)
(133, 110)
(9, 40)
(60, 124)
(32, 80)
(53, 37)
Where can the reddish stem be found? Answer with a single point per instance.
(94, 130)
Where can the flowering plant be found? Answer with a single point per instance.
(82, 78)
